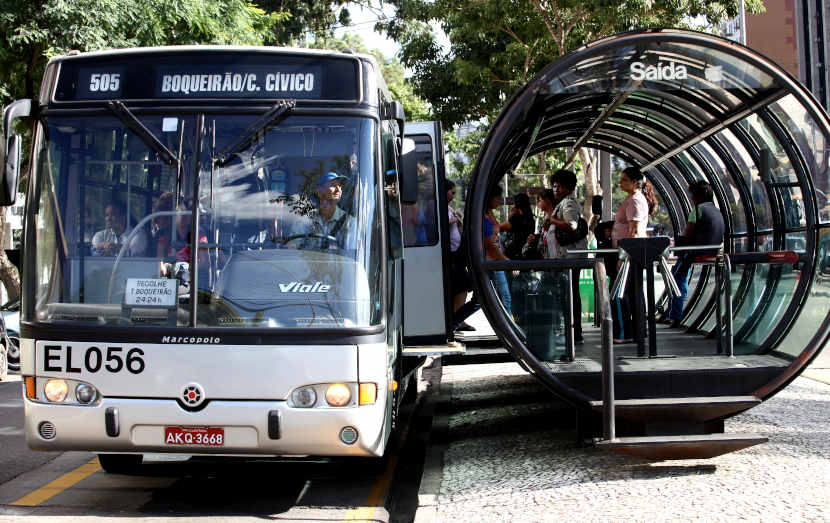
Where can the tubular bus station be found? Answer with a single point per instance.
(683, 106)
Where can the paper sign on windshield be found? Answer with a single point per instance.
(146, 292)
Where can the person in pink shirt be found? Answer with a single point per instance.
(630, 222)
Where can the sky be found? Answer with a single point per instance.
(363, 24)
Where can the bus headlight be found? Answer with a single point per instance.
(338, 395)
(304, 397)
(368, 393)
(85, 393)
(56, 391)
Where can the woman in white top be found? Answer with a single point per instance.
(630, 222)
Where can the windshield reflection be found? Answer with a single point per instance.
(286, 234)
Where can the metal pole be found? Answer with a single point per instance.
(743, 22)
(607, 333)
(637, 313)
(727, 268)
(718, 308)
(652, 323)
(570, 351)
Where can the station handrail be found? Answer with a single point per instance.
(538, 265)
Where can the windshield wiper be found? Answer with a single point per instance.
(248, 136)
(134, 124)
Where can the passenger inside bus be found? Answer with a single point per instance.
(110, 240)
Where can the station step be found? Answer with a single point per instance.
(449, 349)
(702, 408)
(680, 447)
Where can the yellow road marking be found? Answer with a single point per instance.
(53, 488)
(377, 497)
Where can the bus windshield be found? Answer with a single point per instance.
(285, 221)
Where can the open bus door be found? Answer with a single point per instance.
(427, 300)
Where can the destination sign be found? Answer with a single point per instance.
(209, 75)
(280, 82)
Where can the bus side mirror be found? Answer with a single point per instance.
(394, 111)
(11, 171)
(11, 151)
(409, 172)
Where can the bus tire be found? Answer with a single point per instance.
(120, 463)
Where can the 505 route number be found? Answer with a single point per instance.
(59, 358)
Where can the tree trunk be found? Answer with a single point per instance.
(589, 167)
(543, 168)
(9, 274)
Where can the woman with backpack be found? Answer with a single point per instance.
(568, 231)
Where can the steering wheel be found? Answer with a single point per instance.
(310, 235)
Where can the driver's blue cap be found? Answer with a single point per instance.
(329, 176)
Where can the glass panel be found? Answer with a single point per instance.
(708, 289)
(752, 178)
(419, 220)
(538, 312)
(690, 166)
(733, 196)
(286, 223)
(813, 145)
(815, 310)
(793, 204)
(782, 285)
(776, 166)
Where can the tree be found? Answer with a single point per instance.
(415, 107)
(496, 46)
(33, 31)
(296, 17)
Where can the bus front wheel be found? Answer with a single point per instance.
(119, 463)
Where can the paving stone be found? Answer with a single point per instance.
(499, 469)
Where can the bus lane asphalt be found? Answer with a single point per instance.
(72, 484)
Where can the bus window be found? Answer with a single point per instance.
(419, 220)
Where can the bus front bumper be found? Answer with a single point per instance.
(244, 425)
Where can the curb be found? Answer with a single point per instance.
(430, 487)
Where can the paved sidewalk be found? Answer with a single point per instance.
(506, 452)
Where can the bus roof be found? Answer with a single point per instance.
(73, 55)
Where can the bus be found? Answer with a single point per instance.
(214, 253)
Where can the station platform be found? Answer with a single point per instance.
(502, 449)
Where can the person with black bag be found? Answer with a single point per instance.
(569, 231)
(517, 228)
(462, 280)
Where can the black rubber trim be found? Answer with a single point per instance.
(274, 424)
(111, 422)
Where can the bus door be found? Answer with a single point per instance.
(427, 305)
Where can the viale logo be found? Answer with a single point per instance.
(298, 286)
(661, 71)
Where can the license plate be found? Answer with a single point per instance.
(199, 436)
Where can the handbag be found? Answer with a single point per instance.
(569, 237)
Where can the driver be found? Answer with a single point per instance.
(327, 226)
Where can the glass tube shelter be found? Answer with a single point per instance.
(683, 106)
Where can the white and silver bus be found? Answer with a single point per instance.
(214, 253)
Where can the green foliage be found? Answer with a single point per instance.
(498, 45)
(34, 31)
(416, 108)
(296, 17)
